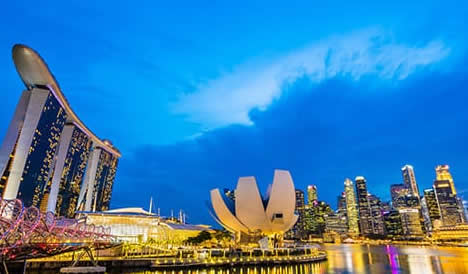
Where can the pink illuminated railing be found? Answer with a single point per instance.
(25, 232)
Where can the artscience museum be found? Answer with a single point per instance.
(248, 214)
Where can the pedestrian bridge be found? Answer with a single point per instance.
(27, 233)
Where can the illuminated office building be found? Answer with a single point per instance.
(443, 174)
(398, 193)
(315, 217)
(44, 155)
(432, 207)
(299, 228)
(311, 194)
(335, 223)
(411, 222)
(410, 180)
(393, 226)
(365, 217)
(351, 208)
(378, 225)
(341, 206)
(450, 211)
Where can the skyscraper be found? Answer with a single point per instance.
(299, 227)
(432, 205)
(410, 180)
(46, 150)
(315, 217)
(341, 205)
(398, 193)
(393, 226)
(365, 217)
(378, 225)
(449, 207)
(411, 222)
(442, 174)
(351, 209)
(311, 194)
(72, 158)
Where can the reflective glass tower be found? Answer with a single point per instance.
(398, 193)
(365, 217)
(410, 180)
(351, 208)
(449, 208)
(432, 207)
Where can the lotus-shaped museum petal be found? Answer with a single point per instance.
(250, 213)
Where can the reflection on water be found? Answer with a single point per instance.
(290, 269)
(395, 259)
(361, 259)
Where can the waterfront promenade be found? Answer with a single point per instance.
(341, 258)
(186, 259)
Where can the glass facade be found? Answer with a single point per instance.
(73, 173)
(443, 173)
(45, 154)
(378, 226)
(312, 194)
(393, 225)
(351, 209)
(299, 228)
(6, 173)
(104, 180)
(365, 218)
(37, 173)
(398, 193)
(448, 203)
(410, 180)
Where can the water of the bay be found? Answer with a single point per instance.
(361, 259)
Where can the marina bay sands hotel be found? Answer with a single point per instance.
(49, 158)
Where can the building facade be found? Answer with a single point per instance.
(312, 194)
(443, 174)
(449, 207)
(351, 208)
(378, 225)
(46, 150)
(432, 207)
(365, 217)
(411, 222)
(251, 216)
(299, 228)
(409, 180)
(393, 224)
(398, 193)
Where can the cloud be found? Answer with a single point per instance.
(322, 133)
(372, 52)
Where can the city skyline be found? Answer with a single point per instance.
(439, 212)
(194, 97)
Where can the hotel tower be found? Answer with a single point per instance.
(49, 158)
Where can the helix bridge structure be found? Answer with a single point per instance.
(27, 233)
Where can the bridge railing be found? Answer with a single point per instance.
(26, 228)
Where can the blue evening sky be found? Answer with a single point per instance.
(198, 93)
